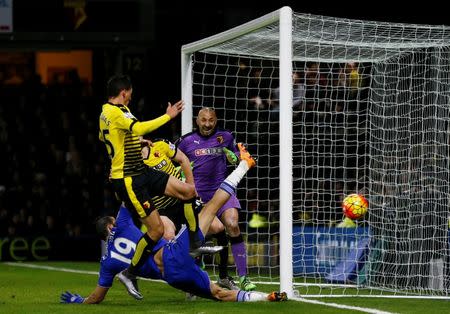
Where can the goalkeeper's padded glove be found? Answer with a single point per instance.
(68, 297)
(231, 156)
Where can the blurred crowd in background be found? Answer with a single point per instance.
(55, 170)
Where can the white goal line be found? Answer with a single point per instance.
(342, 306)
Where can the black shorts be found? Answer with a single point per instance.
(136, 191)
(175, 213)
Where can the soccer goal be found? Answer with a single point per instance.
(331, 107)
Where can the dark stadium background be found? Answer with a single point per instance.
(53, 182)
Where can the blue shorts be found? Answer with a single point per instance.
(180, 269)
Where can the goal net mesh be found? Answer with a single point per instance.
(370, 116)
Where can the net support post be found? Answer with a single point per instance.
(286, 85)
(186, 92)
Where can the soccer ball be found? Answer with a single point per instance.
(355, 206)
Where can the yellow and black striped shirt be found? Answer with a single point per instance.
(120, 131)
(159, 157)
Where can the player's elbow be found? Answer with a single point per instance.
(182, 159)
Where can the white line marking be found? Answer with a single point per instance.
(342, 306)
(68, 270)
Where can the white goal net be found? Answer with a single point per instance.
(369, 114)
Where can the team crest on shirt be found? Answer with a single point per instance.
(146, 205)
(156, 154)
(219, 139)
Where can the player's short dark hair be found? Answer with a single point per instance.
(116, 84)
(101, 225)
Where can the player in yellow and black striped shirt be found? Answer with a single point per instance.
(133, 182)
(160, 154)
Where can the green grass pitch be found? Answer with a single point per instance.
(33, 290)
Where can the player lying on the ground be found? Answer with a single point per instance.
(170, 260)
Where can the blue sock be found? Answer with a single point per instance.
(228, 188)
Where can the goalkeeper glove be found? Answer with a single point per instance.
(231, 156)
(68, 297)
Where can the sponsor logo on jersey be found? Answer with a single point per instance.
(208, 151)
(196, 142)
(160, 165)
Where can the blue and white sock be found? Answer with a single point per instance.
(235, 177)
(251, 296)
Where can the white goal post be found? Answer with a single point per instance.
(333, 106)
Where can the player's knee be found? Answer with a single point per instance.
(169, 234)
(156, 231)
(216, 228)
(188, 192)
(233, 229)
(169, 228)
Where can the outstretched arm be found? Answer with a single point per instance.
(142, 128)
(95, 297)
(185, 166)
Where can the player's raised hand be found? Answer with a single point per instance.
(68, 297)
(175, 109)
